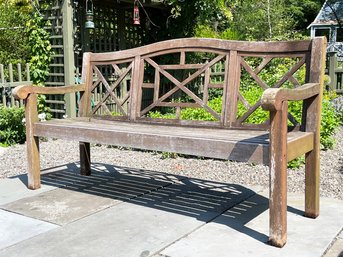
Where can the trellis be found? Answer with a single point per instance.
(113, 31)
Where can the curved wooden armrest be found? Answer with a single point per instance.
(272, 98)
(21, 92)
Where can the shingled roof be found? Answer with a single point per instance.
(329, 13)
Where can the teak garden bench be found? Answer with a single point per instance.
(175, 75)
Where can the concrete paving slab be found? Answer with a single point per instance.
(140, 227)
(340, 235)
(243, 231)
(82, 196)
(336, 250)
(60, 206)
(13, 189)
(15, 228)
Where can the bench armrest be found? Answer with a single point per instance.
(22, 92)
(272, 98)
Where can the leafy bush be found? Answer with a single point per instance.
(12, 129)
(13, 40)
(329, 124)
(337, 104)
(331, 117)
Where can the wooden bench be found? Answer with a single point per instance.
(177, 74)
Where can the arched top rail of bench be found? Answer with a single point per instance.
(204, 45)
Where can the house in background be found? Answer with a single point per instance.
(329, 23)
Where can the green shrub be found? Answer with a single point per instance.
(329, 124)
(12, 129)
(330, 121)
(337, 104)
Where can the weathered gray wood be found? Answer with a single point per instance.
(239, 145)
(22, 92)
(232, 89)
(312, 115)
(198, 44)
(32, 142)
(278, 177)
(226, 138)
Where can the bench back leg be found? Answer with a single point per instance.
(312, 159)
(312, 114)
(32, 143)
(278, 178)
(85, 159)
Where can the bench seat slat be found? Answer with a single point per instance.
(229, 144)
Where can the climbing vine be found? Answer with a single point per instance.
(40, 49)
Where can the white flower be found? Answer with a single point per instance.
(23, 120)
(42, 116)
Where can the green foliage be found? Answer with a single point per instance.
(13, 41)
(337, 103)
(329, 124)
(12, 129)
(42, 107)
(248, 20)
(189, 18)
(40, 49)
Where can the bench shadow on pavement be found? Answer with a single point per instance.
(208, 201)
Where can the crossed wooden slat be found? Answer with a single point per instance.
(254, 74)
(181, 85)
(110, 89)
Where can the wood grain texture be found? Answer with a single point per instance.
(229, 137)
(32, 142)
(22, 92)
(272, 98)
(278, 177)
(312, 115)
(238, 145)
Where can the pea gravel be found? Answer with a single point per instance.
(59, 152)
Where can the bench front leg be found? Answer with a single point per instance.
(278, 177)
(32, 142)
(85, 158)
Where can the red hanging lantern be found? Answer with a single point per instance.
(136, 20)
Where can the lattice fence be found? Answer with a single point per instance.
(10, 77)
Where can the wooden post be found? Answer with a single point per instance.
(332, 68)
(85, 159)
(312, 114)
(2, 84)
(84, 111)
(278, 177)
(68, 50)
(32, 142)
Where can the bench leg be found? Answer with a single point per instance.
(32, 143)
(312, 176)
(85, 158)
(33, 162)
(278, 178)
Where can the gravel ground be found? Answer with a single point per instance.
(59, 152)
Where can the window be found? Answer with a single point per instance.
(323, 32)
(339, 35)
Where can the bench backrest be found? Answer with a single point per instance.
(210, 76)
